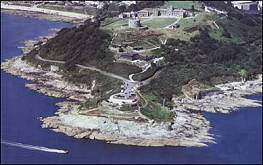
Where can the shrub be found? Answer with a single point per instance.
(157, 112)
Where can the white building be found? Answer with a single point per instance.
(97, 4)
(92, 2)
(120, 100)
(260, 5)
(127, 3)
(247, 5)
(54, 68)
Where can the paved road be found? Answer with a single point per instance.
(130, 85)
(103, 72)
(87, 67)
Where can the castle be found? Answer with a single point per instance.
(155, 12)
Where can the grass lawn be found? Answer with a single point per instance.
(115, 25)
(184, 4)
(186, 22)
(159, 22)
(218, 35)
(157, 112)
(179, 33)
(199, 19)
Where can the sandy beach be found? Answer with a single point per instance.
(48, 14)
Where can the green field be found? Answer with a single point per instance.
(184, 4)
(159, 22)
(180, 33)
(157, 112)
(200, 19)
(218, 35)
(186, 23)
(116, 24)
(183, 23)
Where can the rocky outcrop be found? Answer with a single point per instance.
(193, 89)
(188, 129)
(227, 98)
(45, 82)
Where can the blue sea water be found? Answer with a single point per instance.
(238, 135)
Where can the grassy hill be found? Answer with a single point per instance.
(208, 59)
(184, 4)
(86, 45)
(159, 22)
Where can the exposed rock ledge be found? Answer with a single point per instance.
(229, 97)
(46, 82)
(190, 128)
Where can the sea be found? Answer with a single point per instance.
(238, 135)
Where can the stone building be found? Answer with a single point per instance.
(134, 23)
(161, 12)
(148, 12)
(144, 13)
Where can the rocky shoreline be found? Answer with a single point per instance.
(229, 97)
(190, 128)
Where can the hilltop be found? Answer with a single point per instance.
(86, 44)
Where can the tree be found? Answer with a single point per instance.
(122, 8)
(229, 3)
(133, 7)
(243, 73)
(203, 6)
(193, 8)
(121, 50)
(185, 14)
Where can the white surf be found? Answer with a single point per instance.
(31, 147)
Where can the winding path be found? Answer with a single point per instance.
(87, 67)
(131, 84)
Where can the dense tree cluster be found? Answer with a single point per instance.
(234, 13)
(147, 74)
(86, 44)
(204, 59)
(144, 4)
